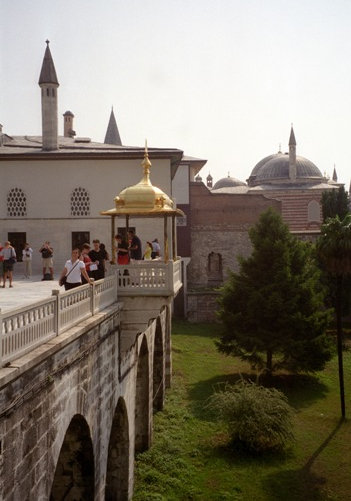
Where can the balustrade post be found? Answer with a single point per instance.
(56, 293)
(115, 286)
(170, 275)
(0, 338)
(92, 298)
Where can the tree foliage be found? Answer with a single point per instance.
(272, 311)
(334, 245)
(335, 203)
(257, 417)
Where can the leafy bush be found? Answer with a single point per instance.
(259, 418)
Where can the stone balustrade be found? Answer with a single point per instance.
(149, 278)
(24, 329)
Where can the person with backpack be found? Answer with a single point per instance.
(9, 258)
(46, 253)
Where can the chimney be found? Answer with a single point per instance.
(68, 124)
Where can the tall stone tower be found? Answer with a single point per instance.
(68, 124)
(292, 156)
(48, 83)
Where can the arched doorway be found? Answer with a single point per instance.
(158, 369)
(142, 400)
(74, 474)
(117, 474)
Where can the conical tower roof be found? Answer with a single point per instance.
(292, 140)
(335, 176)
(48, 72)
(112, 134)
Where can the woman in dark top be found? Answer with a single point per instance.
(122, 250)
(97, 255)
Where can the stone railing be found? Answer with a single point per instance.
(149, 278)
(24, 329)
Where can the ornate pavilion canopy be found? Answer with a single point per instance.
(145, 200)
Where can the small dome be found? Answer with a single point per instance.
(228, 182)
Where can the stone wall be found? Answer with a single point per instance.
(202, 306)
(220, 224)
(69, 414)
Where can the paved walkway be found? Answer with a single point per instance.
(26, 291)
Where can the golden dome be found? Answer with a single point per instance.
(143, 199)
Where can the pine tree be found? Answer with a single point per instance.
(272, 310)
(335, 203)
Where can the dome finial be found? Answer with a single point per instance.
(146, 164)
(47, 42)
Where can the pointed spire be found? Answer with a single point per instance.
(48, 72)
(146, 164)
(292, 140)
(335, 176)
(112, 134)
(292, 156)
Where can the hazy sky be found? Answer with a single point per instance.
(220, 79)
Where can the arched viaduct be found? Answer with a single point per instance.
(76, 409)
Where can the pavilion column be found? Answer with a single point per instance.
(113, 241)
(165, 239)
(174, 239)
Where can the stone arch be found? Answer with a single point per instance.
(214, 269)
(117, 474)
(74, 473)
(314, 211)
(158, 369)
(142, 400)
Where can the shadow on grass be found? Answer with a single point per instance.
(301, 390)
(294, 485)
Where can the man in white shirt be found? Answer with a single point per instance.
(27, 259)
(156, 249)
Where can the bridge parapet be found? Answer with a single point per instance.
(149, 278)
(23, 329)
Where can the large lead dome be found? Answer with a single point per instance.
(282, 168)
(277, 168)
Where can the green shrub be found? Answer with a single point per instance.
(259, 418)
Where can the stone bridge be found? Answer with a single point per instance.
(75, 407)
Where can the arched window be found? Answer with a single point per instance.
(16, 203)
(214, 269)
(314, 212)
(80, 202)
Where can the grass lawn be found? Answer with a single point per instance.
(190, 458)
